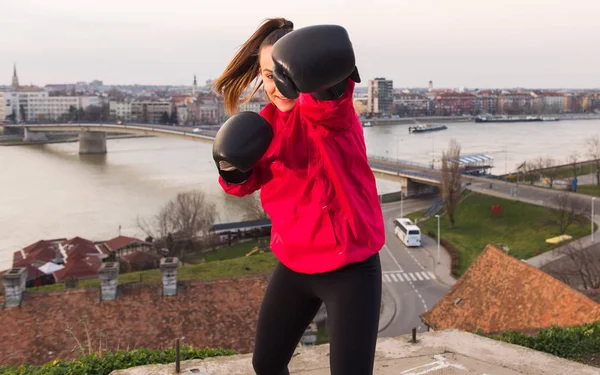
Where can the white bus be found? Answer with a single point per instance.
(408, 232)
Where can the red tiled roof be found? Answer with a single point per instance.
(139, 256)
(33, 273)
(41, 244)
(77, 267)
(82, 249)
(44, 254)
(17, 256)
(446, 95)
(38, 253)
(103, 249)
(499, 293)
(120, 242)
(77, 241)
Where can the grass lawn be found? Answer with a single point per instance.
(521, 226)
(589, 190)
(236, 251)
(566, 171)
(224, 269)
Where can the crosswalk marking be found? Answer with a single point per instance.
(400, 277)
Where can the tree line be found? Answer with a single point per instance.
(550, 169)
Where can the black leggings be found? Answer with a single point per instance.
(352, 297)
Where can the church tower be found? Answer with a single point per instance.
(195, 87)
(15, 79)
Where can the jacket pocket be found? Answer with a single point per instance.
(331, 217)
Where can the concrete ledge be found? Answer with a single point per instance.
(435, 353)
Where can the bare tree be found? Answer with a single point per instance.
(451, 180)
(531, 171)
(548, 169)
(252, 207)
(573, 160)
(181, 222)
(593, 151)
(569, 209)
(579, 266)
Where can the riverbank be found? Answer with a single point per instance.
(18, 140)
(438, 119)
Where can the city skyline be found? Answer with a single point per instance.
(538, 44)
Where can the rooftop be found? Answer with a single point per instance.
(499, 293)
(122, 241)
(252, 224)
(435, 353)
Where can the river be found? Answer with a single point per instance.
(51, 191)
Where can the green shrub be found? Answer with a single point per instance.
(454, 254)
(94, 364)
(567, 342)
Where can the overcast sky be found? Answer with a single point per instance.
(455, 43)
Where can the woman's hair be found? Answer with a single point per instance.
(245, 66)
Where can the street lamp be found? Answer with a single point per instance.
(401, 203)
(592, 224)
(438, 238)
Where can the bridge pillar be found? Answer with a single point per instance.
(92, 142)
(34, 136)
(415, 189)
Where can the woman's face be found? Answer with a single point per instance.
(266, 71)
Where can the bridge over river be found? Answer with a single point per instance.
(414, 178)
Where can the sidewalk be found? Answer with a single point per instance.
(441, 270)
(550, 256)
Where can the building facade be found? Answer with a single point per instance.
(380, 98)
(5, 106)
(253, 106)
(32, 104)
(411, 105)
(119, 111)
(514, 103)
(553, 102)
(149, 111)
(455, 104)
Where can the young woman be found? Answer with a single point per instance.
(305, 151)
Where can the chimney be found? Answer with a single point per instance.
(168, 269)
(14, 286)
(109, 275)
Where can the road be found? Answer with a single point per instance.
(526, 193)
(408, 275)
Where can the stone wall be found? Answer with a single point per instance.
(48, 326)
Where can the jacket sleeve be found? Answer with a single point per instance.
(253, 183)
(334, 114)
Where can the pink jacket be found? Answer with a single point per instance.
(317, 186)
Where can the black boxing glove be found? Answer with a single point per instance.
(239, 144)
(316, 60)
